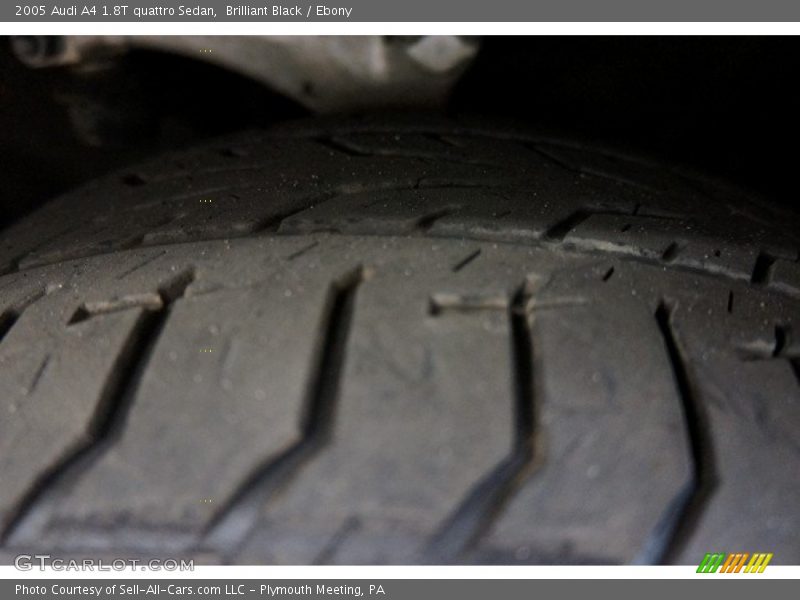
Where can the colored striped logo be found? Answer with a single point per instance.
(734, 563)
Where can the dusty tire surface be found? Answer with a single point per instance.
(387, 341)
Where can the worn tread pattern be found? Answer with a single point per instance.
(401, 342)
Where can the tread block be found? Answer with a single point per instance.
(52, 383)
(752, 404)
(614, 453)
(408, 412)
(218, 407)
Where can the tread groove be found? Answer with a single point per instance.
(795, 365)
(466, 260)
(672, 251)
(88, 310)
(350, 526)
(232, 523)
(681, 516)
(7, 320)
(10, 316)
(762, 271)
(37, 376)
(475, 514)
(141, 264)
(427, 221)
(783, 335)
(272, 224)
(302, 251)
(559, 231)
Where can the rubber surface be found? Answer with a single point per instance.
(401, 342)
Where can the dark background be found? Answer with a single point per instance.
(726, 105)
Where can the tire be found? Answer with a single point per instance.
(387, 341)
